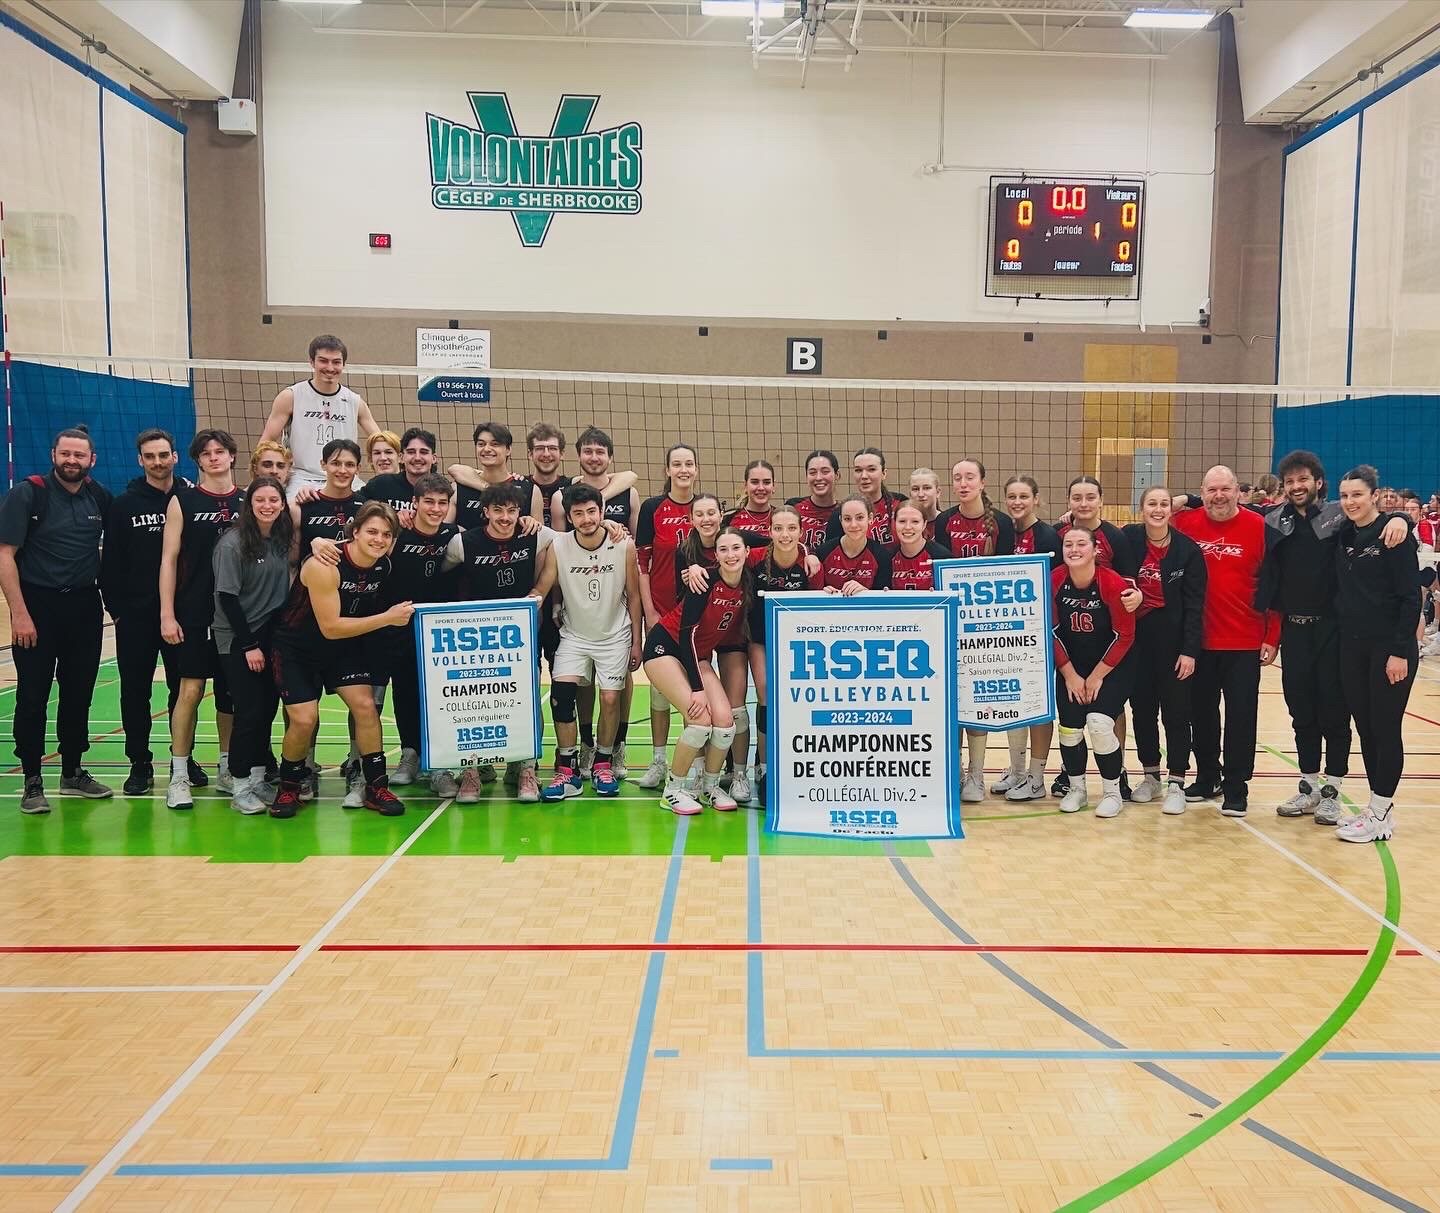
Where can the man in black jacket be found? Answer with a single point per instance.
(130, 585)
(1298, 580)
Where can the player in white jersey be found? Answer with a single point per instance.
(316, 412)
(600, 636)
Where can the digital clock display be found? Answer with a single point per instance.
(1076, 228)
(380, 240)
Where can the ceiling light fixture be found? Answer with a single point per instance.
(742, 8)
(1169, 18)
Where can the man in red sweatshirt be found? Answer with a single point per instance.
(1237, 641)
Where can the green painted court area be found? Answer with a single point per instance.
(631, 824)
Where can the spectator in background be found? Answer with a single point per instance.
(1389, 500)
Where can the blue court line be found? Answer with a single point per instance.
(32, 1169)
(742, 1164)
(622, 1137)
(666, 1053)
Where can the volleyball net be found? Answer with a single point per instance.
(1129, 435)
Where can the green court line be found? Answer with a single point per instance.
(1270, 1082)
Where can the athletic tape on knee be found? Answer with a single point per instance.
(721, 738)
(762, 718)
(1071, 737)
(695, 736)
(741, 718)
(1102, 733)
(562, 702)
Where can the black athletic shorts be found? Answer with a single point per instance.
(659, 643)
(1114, 693)
(197, 657)
(304, 671)
(387, 649)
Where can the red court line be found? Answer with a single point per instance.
(738, 946)
(1426, 719)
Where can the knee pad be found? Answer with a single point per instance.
(762, 718)
(562, 702)
(1071, 737)
(1102, 733)
(695, 735)
(721, 738)
(741, 718)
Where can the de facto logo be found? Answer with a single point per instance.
(489, 167)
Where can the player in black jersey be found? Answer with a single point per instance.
(417, 459)
(493, 443)
(776, 569)
(417, 574)
(194, 521)
(545, 445)
(596, 452)
(498, 560)
(326, 513)
(319, 647)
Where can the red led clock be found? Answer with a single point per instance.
(380, 240)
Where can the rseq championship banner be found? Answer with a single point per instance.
(479, 692)
(862, 738)
(1005, 660)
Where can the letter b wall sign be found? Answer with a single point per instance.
(802, 355)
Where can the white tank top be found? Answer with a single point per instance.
(318, 419)
(592, 585)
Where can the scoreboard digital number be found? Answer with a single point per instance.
(1068, 229)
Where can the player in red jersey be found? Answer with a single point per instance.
(663, 522)
(855, 561)
(912, 562)
(1093, 634)
(973, 526)
(869, 472)
(753, 513)
(677, 658)
(925, 493)
(1172, 581)
(1032, 537)
(821, 468)
(776, 569)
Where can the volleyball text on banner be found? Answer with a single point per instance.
(479, 683)
(861, 739)
(1005, 661)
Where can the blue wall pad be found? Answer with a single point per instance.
(47, 399)
(1397, 434)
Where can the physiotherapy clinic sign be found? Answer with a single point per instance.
(862, 735)
(479, 683)
(1005, 662)
(491, 167)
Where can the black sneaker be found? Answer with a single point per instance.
(1199, 791)
(760, 788)
(198, 778)
(1235, 804)
(383, 801)
(140, 780)
(1061, 785)
(1124, 786)
(287, 801)
(82, 783)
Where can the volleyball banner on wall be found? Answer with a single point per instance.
(1005, 662)
(861, 695)
(479, 683)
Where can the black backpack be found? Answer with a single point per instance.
(40, 497)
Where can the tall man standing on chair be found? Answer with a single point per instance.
(50, 531)
(315, 412)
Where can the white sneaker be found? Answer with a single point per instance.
(1075, 799)
(224, 781)
(1328, 811)
(1303, 803)
(972, 791)
(443, 785)
(1033, 788)
(1367, 828)
(654, 776)
(527, 790)
(1009, 780)
(407, 770)
(1174, 803)
(678, 800)
(587, 761)
(469, 790)
(718, 799)
(177, 795)
(246, 799)
(354, 791)
(1146, 790)
(1109, 806)
(740, 788)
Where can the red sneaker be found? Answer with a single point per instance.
(287, 801)
(383, 801)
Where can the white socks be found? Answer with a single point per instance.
(180, 767)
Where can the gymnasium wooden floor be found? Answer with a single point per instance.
(598, 1006)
